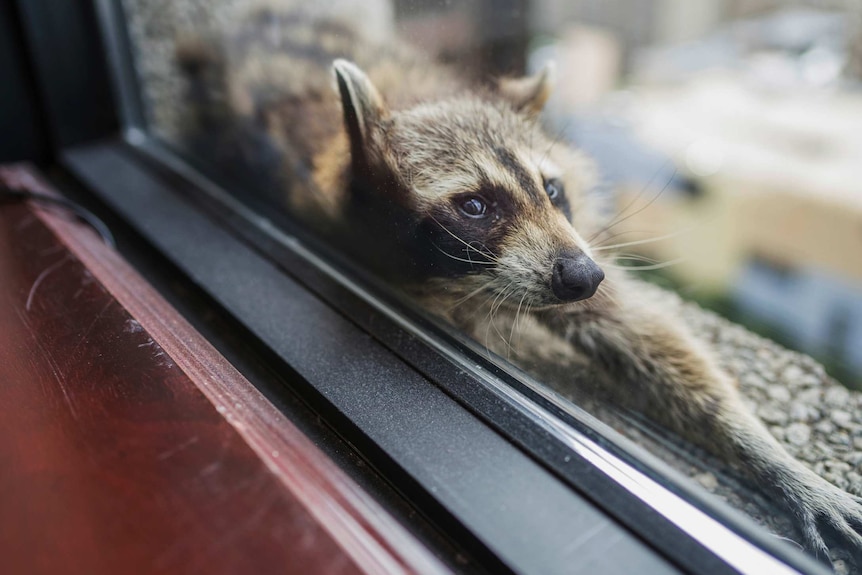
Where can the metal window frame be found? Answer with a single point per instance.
(578, 467)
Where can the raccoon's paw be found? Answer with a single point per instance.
(831, 523)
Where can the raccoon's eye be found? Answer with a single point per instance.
(554, 189)
(474, 207)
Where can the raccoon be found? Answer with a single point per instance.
(457, 195)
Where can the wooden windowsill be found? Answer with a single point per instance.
(130, 445)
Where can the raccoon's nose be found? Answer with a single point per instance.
(575, 277)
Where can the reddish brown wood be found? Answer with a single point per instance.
(129, 445)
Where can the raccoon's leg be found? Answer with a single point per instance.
(658, 368)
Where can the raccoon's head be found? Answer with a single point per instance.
(477, 193)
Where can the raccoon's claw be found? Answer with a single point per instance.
(830, 515)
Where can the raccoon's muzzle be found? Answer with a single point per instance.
(575, 277)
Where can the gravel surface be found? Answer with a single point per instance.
(812, 415)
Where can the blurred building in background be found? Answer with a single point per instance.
(733, 129)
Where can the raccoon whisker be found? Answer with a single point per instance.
(556, 140)
(492, 312)
(469, 261)
(494, 294)
(618, 234)
(471, 294)
(488, 323)
(619, 219)
(608, 292)
(636, 258)
(495, 306)
(644, 241)
(495, 310)
(648, 185)
(527, 311)
(649, 267)
(488, 253)
(515, 321)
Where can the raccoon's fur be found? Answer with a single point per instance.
(456, 194)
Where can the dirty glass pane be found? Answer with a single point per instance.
(651, 206)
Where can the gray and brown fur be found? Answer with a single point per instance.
(380, 149)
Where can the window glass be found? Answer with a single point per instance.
(631, 200)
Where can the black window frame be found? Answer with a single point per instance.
(578, 467)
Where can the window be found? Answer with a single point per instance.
(664, 98)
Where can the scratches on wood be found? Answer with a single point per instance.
(41, 277)
(174, 450)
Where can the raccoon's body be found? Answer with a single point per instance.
(458, 196)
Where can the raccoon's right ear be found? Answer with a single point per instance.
(362, 106)
(529, 94)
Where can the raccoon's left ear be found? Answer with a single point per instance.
(529, 94)
(362, 106)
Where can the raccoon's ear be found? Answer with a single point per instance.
(361, 104)
(529, 94)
